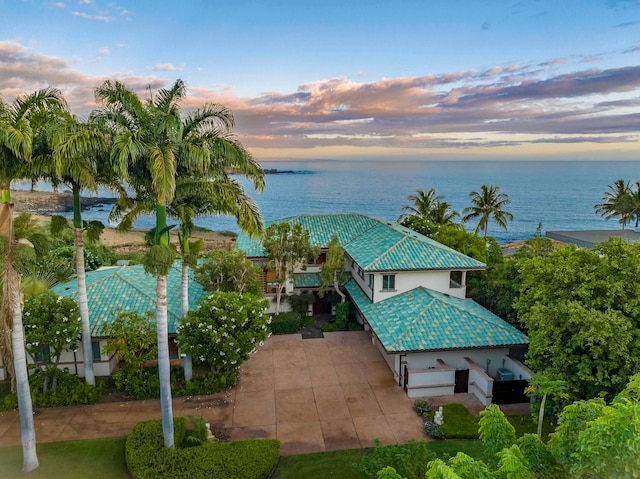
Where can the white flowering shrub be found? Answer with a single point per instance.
(53, 321)
(224, 330)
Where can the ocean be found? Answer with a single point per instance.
(558, 194)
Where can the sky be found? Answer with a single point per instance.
(356, 79)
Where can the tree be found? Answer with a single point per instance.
(488, 204)
(430, 206)
(229, 271)
(147, 138)
(17, 124)
(617, 202)
(581, 308)
(52, 322)
(72, 154)
(287, 246)
(332, 269)
(543, 386)
(423, 203)
(224, 330)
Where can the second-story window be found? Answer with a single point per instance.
(371, 281)
(360, 273)
(388, 282)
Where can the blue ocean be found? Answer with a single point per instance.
(558, 194)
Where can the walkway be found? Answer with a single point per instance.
(312, 394)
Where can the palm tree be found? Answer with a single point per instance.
(486, 204)
(423, 203)
(71, 154)
(207, 151)
(147, 136)
(617, 202)
(17, 122)
(443, 214)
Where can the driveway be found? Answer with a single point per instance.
(313, 395)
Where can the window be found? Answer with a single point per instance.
(44, 355)
(360, 273)
(95, 349)
(388, 282)
(371, 281)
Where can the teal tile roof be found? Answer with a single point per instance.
(306, 280)
(425, 320)
(374, 244)
(130, 289)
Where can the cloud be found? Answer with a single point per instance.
(93, 18)
(103, 51)
(497, 107)
(166, 67)
(60, 4)
(554, 61)
(626, 24)
(485, 26)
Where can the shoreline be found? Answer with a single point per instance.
(44, 204)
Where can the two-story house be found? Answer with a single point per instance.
(409, 292)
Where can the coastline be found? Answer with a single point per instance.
(44, 204)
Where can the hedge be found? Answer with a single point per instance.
(285, 323)
(147, 458)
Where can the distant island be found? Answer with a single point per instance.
(276, 171)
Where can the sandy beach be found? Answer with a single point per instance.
(45, 204)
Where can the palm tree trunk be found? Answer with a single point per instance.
(6, 224)
(187, 362)
(164, 369)
(336, 285)
(12, 307)
(184, 299)
(83, 306)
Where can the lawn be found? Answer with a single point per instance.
(104, 458)
(95, 458)
(339, 464)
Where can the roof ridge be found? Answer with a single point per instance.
(387, 252)
(417, 317)
(115, 272)
(369, 228)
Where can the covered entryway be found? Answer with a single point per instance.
(321, 306)
(462, 381)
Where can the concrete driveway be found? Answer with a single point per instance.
(312, 394)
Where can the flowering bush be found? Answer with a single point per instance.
(51, 326)
(224, 330)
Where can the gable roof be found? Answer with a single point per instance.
(374, 244)
(130, 289)
(425, 320)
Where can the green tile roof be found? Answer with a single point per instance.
(130, 289)
(424, 320)
(306, 280)
(374, 244)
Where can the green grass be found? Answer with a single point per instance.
(459, 423)
(339, 464)
(96, 458)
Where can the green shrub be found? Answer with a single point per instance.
(148, 459)
(285, 323)
(342, 315)
(409, 460)
(330, 327)
(202, 385)
(71, 391)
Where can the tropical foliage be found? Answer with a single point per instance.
(287, 247)
(621, 201)
(332, 269)
(52, 326)
(224, 330)
(488, 204)
(228, 271)
(581, 308)
(430, 206)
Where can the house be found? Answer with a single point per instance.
(127, 288)
(409, 292)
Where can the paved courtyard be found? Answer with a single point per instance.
(313, 395)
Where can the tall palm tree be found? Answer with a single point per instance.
(443, 214)
(617, 202)
(18, 121)
(488, 204)
(207, 152)
(147, 137)
(71, 155)
(423, 203)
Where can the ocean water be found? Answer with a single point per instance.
(559, 194)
